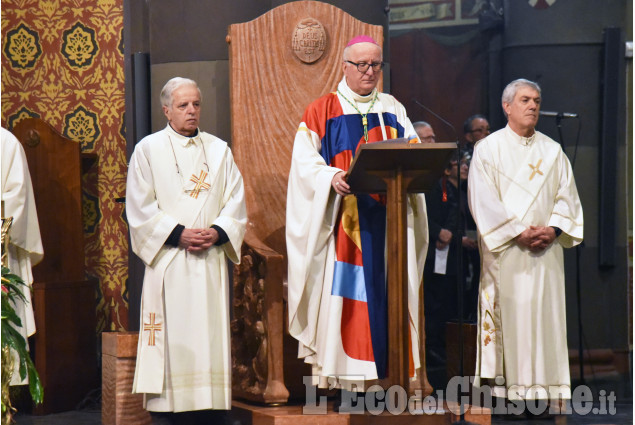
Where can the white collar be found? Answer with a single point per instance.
(521, 140)
(346, 91)
(183, 140)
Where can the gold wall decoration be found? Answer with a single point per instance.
(82, 126)
(62, 61)
(21, 114)
(79, 46)
(22, 47)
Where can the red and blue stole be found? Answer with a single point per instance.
(359, 276)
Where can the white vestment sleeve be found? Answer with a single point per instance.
(18, 199)
(497, 225)
(567, 211)
(233, 215)
(149, 225)
(25, 244)
(311, 213)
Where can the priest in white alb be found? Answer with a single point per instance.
(186, 211)
(25, 245)
(524, 200)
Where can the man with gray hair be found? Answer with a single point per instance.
(524, 200)
(425, 132)
(475, 128)
(186, 211)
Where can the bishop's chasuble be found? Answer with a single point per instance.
(336, 246)
(25, 247)
(516, 182)
(183, 357)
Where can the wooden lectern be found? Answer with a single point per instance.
(63, 299)
(397, 168)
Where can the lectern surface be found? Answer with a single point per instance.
(424, 160)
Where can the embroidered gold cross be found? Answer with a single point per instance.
(536, 169)
(200, 184)
(152, 327)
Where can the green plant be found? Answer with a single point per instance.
(14, 343)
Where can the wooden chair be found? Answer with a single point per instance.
(63, 300)
(279, 63)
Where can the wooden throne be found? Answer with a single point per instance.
(279, 63)
(63, 346)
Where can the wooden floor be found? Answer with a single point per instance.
(301, 415)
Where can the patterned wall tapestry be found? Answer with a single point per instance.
(62, 61)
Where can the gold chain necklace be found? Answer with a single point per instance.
(199, 181)
(364, 119)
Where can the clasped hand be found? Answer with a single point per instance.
(536, 238)
(196, 240)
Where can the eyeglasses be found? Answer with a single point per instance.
(363, 66)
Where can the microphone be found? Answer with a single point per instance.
(421, 105)
(558, 114)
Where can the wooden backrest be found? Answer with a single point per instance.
(274, 75)
(55, 167)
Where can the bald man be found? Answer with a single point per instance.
(336, 240)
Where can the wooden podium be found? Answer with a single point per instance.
(396, 167)
(63, 346)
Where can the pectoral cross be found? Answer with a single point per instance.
(152, 327)
(200, 184)
(536, 169)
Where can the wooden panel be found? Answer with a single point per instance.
(120, 344)
(55, 167)
(108, 389)
(64, 344)
(118, 405)
(63, 301)
(470, 331)
(270, 88)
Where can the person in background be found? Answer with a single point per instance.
(425, 132)
(475, 128)
(446, 222)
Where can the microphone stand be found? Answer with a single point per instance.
(559, 126)
(578, 285)
(459, 259)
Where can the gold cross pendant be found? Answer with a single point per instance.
(200, 184)
(536, 169)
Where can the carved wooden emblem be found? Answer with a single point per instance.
(33, 138)
(309, 40)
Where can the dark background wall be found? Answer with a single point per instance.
(456, 72)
